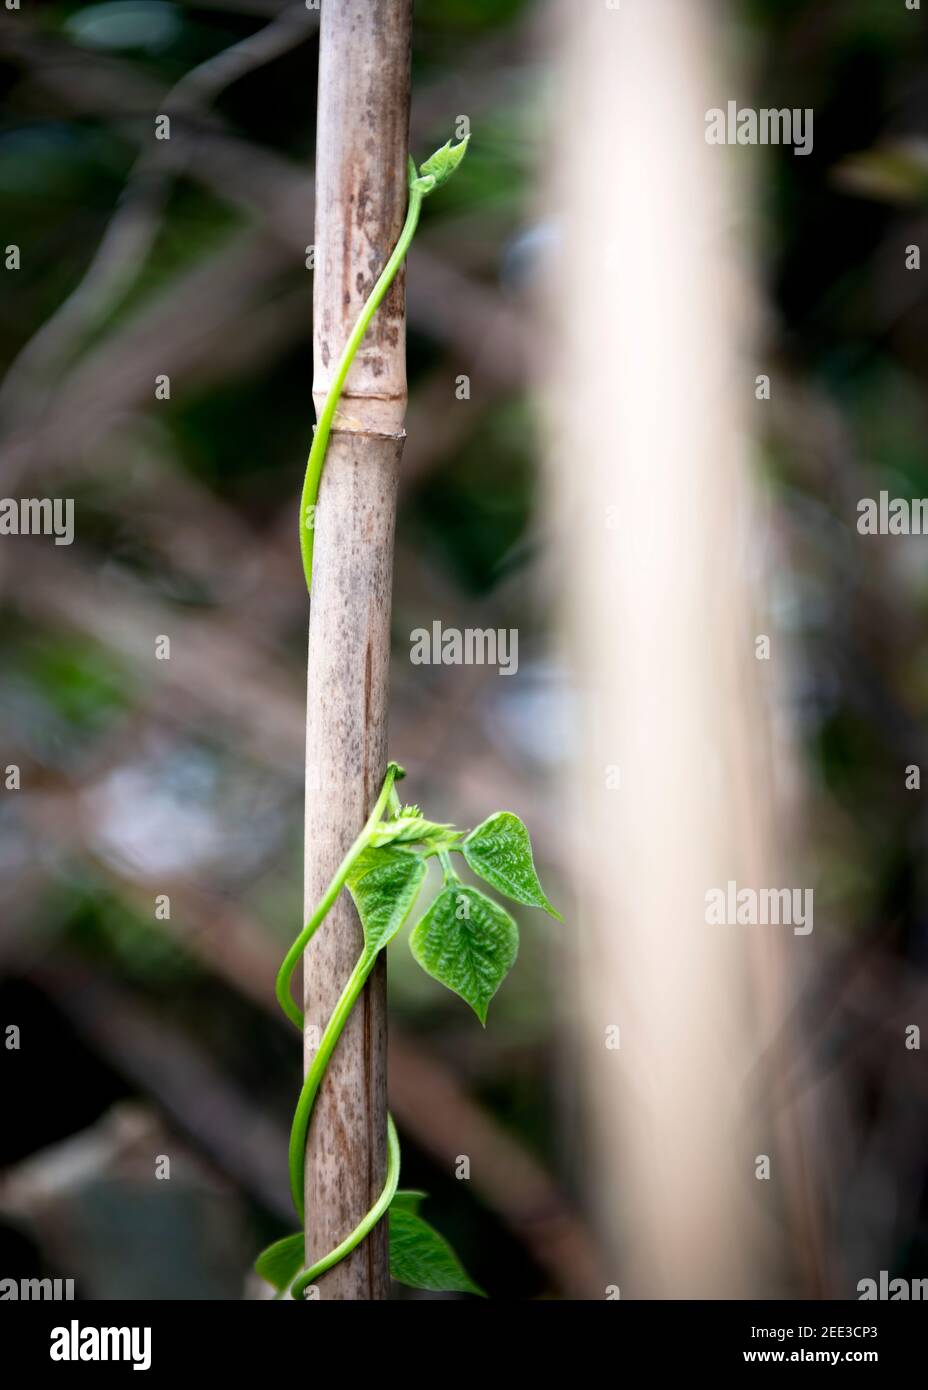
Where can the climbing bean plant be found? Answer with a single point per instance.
(465, 939)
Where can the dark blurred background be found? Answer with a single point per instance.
(142, 1035)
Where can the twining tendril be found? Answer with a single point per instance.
(434, 172)
(330, 1037)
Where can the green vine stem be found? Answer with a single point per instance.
(330, 1037)
(465, 939)
(346, 1002)
(434, 172)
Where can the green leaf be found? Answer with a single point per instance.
(419, 1256)
(410, 1200)
(500, 852)
(411, 827)
(442, 164)
(281, 1262)
(466, 942)
(384, 884)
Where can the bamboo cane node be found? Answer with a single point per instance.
(362, 432)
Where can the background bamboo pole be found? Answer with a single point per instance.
(362, 137)
(672, 778)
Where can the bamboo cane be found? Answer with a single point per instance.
(361, 181)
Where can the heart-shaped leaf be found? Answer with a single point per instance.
(281, 1262)
(467, 942)
(500, 852)
(384, 884)
(419, 1256)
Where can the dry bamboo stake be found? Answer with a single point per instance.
(361, 193)
(668, 781)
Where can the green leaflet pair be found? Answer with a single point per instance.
(465, 939)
